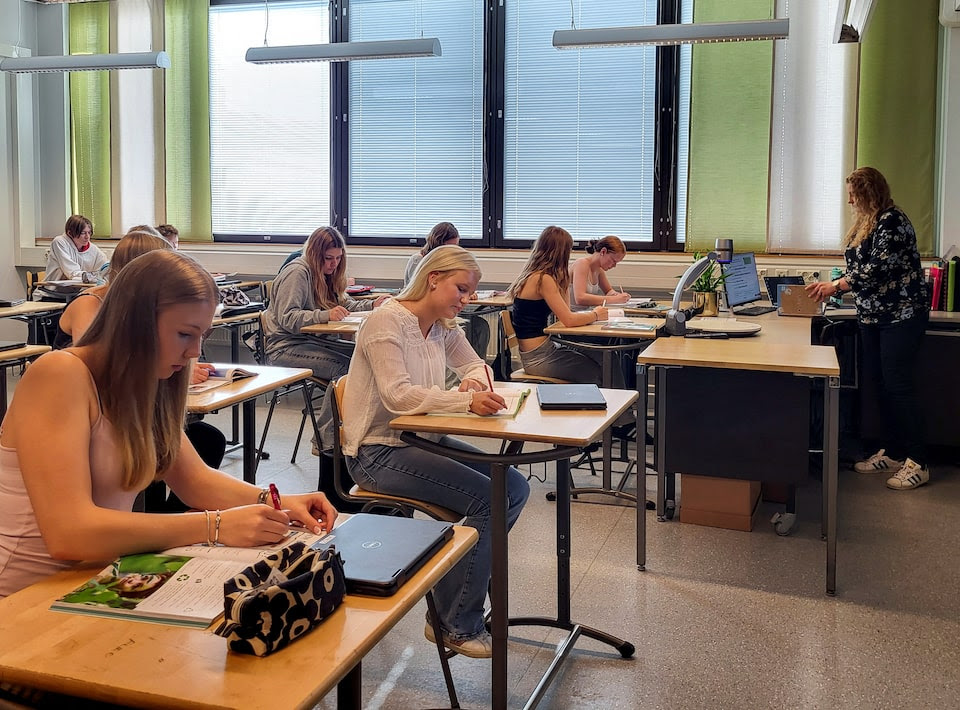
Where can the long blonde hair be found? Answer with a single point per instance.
(551, 256)
(327, 290)
(871, 197)
(443, 260)
(147, 414)
(133, 244)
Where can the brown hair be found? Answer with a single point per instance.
(327, 290)
(611, 243)
(147, 414)
(75, 224)
(871, 196)
(550, 255)
(168, 231)
(132, 245)
(442, 233)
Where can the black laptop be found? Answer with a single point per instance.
(381, 552)
(773, 284)
(10, 302)
(558, 397)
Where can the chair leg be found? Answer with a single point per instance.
(441, 650)
(266, 425)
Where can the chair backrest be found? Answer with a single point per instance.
(339, 388)
(266, 292)
(33, 278)
(254, 341)
(509, 334)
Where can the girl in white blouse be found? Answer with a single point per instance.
(402, 352)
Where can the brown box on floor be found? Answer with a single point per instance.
(718, 502)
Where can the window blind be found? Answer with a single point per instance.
(578, 124)
(416, 125)
(269, 124)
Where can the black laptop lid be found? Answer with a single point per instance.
(570, 397)
(11, 345)
(381, 552)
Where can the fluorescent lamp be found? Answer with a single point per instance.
(696, 33)
(346, 51)
(86, 62)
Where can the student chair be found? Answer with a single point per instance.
(371, 500)
(519, 375)
(33, 278)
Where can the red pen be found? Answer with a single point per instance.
(275, 496)
(489, 381)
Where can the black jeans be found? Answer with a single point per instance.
(889, 374)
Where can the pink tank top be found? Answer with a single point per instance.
(23, 555)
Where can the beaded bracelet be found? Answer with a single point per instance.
(216, 531)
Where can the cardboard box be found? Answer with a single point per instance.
(719, 502)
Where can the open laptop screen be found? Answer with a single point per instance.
(742, 285)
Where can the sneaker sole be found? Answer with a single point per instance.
(428, 634)
(883, 468)
(908, 484)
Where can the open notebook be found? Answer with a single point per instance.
(513, 398)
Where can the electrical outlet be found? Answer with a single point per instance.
(762, 273)
(809, 276)
(782, 272)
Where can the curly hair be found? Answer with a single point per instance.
(871, 197)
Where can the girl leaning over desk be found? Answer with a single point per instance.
(312, 289)
(887, 281)
(93, 425)
(590, 285)
(403, 350)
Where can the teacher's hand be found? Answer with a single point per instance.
(820, 290)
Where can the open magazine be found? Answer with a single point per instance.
(181, 586)
(220, 377)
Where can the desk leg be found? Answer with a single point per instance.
(661, 443)
(349, 689)
(606, 378)
(249, 440)
(831, 401)
(642, 468)
(499, 607)
(235, 359)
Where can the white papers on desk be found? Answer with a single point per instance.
(638, 302)
(357, 317)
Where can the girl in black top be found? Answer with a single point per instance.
(887, 281)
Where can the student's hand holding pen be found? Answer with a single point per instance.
(311, 510)
(338, 313)
(201, 372)
(487, 403)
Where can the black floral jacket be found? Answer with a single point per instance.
(885, 274)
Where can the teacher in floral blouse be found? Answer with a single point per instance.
(885, 276)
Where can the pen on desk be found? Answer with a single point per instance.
(275, 496)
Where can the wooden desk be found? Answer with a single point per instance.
(33, 312)
(759, 419)
(12, 358)
(156, 665)
(619, 340)
(567, 432)
(245, 392)
(337, 327)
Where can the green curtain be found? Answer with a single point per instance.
(187, 119)
(89, 33)
(897, 115)
(730, 95)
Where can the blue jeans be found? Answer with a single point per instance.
(464, 488)
(327, 362)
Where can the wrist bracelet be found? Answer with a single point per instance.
(216, 530)
(206, 515)
(262, 497)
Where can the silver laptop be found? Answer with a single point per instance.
(381, 552)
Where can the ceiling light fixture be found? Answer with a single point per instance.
(695, 33)
(346, 51)
(85, 62)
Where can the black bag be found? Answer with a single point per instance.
(280, 598)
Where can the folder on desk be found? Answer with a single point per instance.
(562, 397)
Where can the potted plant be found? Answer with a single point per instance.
(705, 287)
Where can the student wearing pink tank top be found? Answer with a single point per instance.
(93, 425)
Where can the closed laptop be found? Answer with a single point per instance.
(795, 301)
(381, 552)
(11, 345)
(559, 397)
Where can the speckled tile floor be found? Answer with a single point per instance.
(720, 619)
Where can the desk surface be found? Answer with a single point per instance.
(569, 428)
(24, 352)
(503, 301)
(337, 326)
(751, 353)
(156, 665)
(268, 378)
(30, 308)
(597, 330)
(251, 317)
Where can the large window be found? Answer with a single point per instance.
(416, 125)
(269, 124)
(578, 124)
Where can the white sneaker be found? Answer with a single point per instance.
(877, 463)
(910, 475)
(479, 646)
